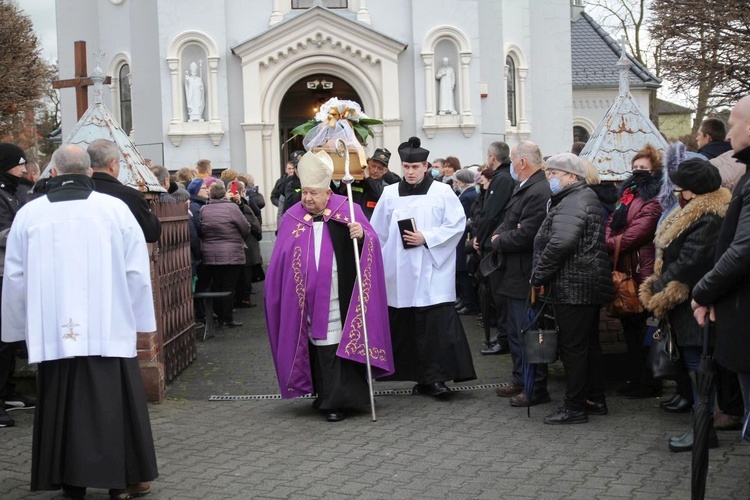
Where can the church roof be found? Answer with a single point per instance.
(594, 55)
(624, 130)
(669, 108)
(98, 123)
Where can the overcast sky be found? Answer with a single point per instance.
(42, 14)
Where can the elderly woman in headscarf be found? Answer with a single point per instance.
(686, 242)
(632, 226)
(468, 303)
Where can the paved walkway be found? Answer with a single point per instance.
(474, 446)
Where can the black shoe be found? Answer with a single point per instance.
(563, 416)
(5, 419)
(231, 324)
(681, 406)
(496, 348)
(335, 415)
(670, 401)
(465, 311)
(593, 408)
(438, 389)
(17, 402)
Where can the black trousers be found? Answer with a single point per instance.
(224, 279)
(7, 362)
(729, 392)
(580, 354)
(634, 330)
(202, 284)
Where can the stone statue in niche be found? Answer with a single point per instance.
(195, 96)
(447, 82)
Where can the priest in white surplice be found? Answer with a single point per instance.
(429, 343)
(77, 288)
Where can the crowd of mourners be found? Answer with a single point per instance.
(493, 241)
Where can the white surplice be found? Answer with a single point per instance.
(425, 275)
(77, 279)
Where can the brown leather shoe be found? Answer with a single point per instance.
(724, 422)
(520, 401)
(508, 391)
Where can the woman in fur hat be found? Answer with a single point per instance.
(685, 242)
(633, 223)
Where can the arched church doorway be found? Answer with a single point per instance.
(302, 101)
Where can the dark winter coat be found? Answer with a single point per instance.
(714, 149)
(196, 203)
(223, 233)
(105, 183)
(292, 192)
(685, 244)
(252, 241)
(637, 245)
(367, 192)
(607, 194)
(727, 284)
(278, 190)
(497, 197)
(524, 214)
(467, 198)
(9, 205)
(569, 254)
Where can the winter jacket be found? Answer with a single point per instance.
(685, 244)
(252, 242)
(9, 206)
(278, 190)
(497, 197)
(637, 245)
(524, 214)
(730, 169)
(149, 222)
(727, 284)
(196, 203)
(607, 194)
(223, 233)
(570, 259)
(714, 149)
(467, 198)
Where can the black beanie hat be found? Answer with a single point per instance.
(411, 152)
(11, 156)
(696, 175)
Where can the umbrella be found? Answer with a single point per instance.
(487, 306)
(703, 379)
(529, 369)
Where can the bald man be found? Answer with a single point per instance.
(725, 290)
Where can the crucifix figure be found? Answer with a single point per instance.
(81, 81)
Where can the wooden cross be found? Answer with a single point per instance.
(81, 81)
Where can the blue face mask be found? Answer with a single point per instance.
(554, 185)
(478, 187)
(513, 172)
(435, 174)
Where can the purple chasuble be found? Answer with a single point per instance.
(295, 289)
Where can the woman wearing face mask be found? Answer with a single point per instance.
(686, 242)
(633, 223)
(571, 262)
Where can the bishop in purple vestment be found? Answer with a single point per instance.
(313, 312)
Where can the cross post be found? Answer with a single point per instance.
(81, 82)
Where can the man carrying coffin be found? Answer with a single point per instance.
(419, 223)
(313, 311)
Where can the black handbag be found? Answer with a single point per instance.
(663, 356)
(541, 336)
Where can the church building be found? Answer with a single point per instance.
(227, 80)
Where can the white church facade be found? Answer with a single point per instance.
(227, 80)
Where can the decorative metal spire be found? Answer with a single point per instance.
(624, 66)
(98, 77)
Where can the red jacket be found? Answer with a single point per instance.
(637, 245)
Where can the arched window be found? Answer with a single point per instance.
(510, 87)
(580, 134)
(126, 110)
